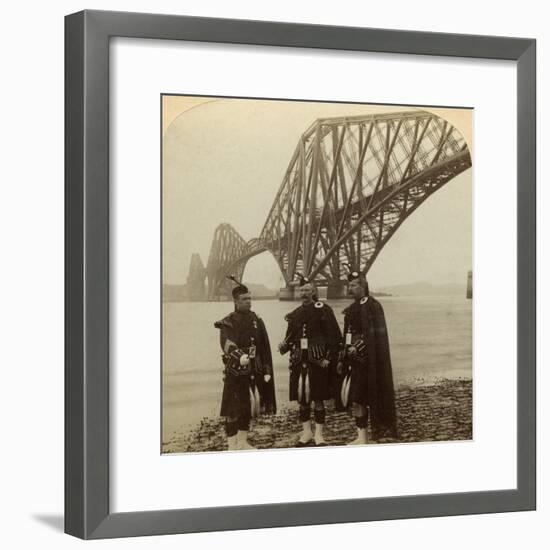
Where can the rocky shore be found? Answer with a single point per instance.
(440, 411)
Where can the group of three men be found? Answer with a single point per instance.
(353, 368)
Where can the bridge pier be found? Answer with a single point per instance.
(287, 294)
(330, 292)
(337, 292)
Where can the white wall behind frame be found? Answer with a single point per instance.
(32, 227)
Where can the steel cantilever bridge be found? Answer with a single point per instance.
(350, 184)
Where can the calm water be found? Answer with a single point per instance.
(430, 338)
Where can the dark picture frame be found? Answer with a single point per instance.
(87, 311)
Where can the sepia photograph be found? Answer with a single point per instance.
(316, 274)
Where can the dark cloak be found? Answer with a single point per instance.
(380, 388)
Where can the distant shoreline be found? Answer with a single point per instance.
(265, 298)
(177, 293)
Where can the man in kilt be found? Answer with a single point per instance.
(313, 339)
(366, 365)
(248, 388)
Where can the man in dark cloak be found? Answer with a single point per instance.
(249, 387)
(313, 339)
(366, 364)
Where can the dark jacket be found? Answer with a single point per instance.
(238, 332)
(317, 323)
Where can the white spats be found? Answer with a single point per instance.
(242, 441)
(361, 437)
(232, 443)
(307, 435)
(319, 439)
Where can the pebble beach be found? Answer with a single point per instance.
(437, 411)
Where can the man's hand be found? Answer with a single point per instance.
(340, 367)
(283, 347)
(352, 350)
(324, 363)
(267, 378)
(244, 360)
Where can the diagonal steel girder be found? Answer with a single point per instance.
(349, 185)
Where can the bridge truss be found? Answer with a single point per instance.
(350, 184)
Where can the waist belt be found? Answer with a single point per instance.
(232, 361)
(314, 353)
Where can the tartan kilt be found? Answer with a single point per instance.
(235, 397)
(319, 382)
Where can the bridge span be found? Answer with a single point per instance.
(350, 184)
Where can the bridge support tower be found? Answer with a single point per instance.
(287, 294)
(337, 292)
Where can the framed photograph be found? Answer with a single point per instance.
(330, 204)
(300, 274)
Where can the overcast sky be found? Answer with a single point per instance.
(224, 160)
